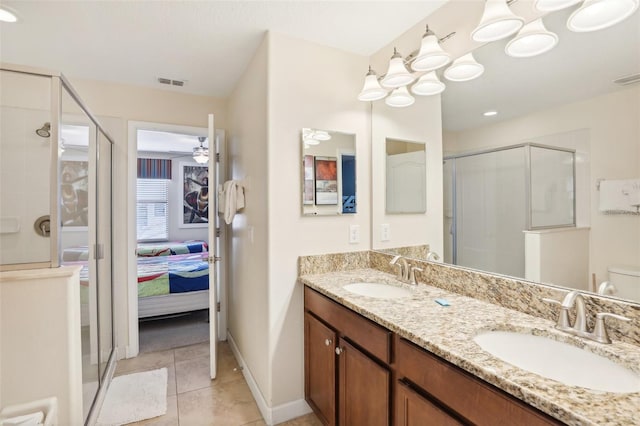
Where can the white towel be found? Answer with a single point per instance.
(620, 196)
(233, 199)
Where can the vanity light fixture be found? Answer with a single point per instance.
(596, 15)
(200, 153)
(7, 15)
(314, 137)
(400, 98)
(498, 22)
(431, 56)
(428, 85)
(372, 91)
(397, 74)
(490, 113)
(464, 68)
(532, 40)
(553, 5)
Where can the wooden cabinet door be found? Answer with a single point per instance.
(412, 409)
(363, 388)
(320, 369)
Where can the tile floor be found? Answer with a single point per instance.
(195, 400)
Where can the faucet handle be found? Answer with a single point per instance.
(600, 330)
(395, 262)
(563, 316)
(412, 274)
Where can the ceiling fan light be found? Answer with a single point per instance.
(397, 75)
(553, 5)
(464, 68)
(371, 91)
(200, 153)
(498, 22)
(596, 15)
(532, 40)
(431, 56)
(400, 98)
(322, 135)
(428, 85)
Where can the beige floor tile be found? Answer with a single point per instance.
(227, 404)
(256, 423)
(190, 352)
(171, 381)
(308, 420)
(192, 374)
(169, 419)
(145, 362)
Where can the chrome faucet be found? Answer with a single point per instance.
(579, 327)
(406, 271)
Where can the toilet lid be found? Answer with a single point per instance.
(625, 270)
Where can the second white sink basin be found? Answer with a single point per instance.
(559, 361)
(378, 290)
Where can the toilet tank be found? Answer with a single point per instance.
(626, 280)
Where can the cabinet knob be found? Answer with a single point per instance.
(327, 342)
(339, 350)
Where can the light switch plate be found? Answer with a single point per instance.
(354, 234)
(385, 232)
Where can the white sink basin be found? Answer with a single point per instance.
(378, 290)
(559, 361)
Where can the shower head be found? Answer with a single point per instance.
(44, 131)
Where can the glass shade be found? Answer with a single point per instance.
(400, 98)
(553, 5)
(397, 74)
(431, 56)
(7, 15)
(371, 91)
(533, 39)
(464, 68)
(200, 155)
(497, 22)
(428, 85)
(596, 15)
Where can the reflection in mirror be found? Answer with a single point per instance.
(328, 172)
(406, 176)
(565, 98)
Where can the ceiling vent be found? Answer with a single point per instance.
(630, 79)
(171, 82)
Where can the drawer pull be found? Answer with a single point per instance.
(327, 342)
(339, 350)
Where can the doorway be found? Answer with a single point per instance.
(170, 246)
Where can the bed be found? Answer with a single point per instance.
(173, 277)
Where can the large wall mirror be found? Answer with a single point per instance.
(328, 172)
(567, 100)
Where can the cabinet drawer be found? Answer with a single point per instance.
(367, 334)
(474, 400)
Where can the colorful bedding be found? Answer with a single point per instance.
(171, 248)
(172, 274)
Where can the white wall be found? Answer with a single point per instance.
(248, 251)
(303, 93)
(613, 134)
(40, 348)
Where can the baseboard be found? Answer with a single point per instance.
(271, 415)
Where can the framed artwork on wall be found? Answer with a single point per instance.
(74, 194)
(195, 195)
(326, 173)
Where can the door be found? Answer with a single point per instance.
(214, 255)
(320, 368)
(363, 388)
(412, 409)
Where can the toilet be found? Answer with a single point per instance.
(626, 280)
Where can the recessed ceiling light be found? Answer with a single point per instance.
(490, 113)
(7, 15)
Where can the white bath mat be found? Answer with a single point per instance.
(135, 397)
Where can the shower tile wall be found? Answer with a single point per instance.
(24, 167)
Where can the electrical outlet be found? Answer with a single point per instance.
(385, 232)
(354, 234)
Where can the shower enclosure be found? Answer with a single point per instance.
(491, 197)
(55, 203)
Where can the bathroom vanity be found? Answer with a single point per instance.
(411, 361)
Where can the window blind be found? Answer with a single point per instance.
(152, 208)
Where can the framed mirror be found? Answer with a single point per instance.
(328, 172)
(406, 176)
(579, 99)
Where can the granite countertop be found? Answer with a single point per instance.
(448, 332)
